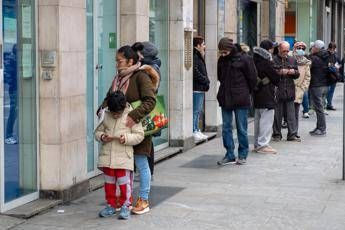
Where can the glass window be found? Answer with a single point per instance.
(159, 35)
(19, 111)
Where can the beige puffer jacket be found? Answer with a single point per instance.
(113, 154)
(302, 83)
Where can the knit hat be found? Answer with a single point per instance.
(226, 44)
(266, 44)
(319, 44)
(150, 50)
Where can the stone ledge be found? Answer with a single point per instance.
(33, 208)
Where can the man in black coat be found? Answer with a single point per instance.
(264, 97)
(319, 83)
(237, 76)
(288, 70)
(201, 84)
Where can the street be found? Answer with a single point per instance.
(298, 188)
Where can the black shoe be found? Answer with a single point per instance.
(318, 133)
(276, 138)
(226, 161)
(294, 138)
(330, 107)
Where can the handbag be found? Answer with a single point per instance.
(157, 119)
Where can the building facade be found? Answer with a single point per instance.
(59, 60)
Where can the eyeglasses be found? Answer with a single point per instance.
(300, 48)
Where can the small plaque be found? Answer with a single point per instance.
(48, 58)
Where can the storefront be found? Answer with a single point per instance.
(248, 22)
(301, 21)
(159, 35)
(102, 40)
(19, 148)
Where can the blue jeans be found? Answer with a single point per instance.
(142, 165)
(330, 94)
(198, 101)
(305, 102)
(241, 116)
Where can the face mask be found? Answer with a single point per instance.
(300, 52)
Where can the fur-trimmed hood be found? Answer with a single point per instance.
(262, 53)
(154, 75)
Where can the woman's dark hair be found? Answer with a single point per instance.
(332, 45)
(198, 40)
(116, 101)
(131, 52)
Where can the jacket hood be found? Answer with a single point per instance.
(262, 53)
(154, 75)
(323, 54)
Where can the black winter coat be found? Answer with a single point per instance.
(200, 78)
(318, 69)
(237, 76)
(264, 94)
(286, 86)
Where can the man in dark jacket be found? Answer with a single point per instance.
(336, 62)
(288, 70)
(319, 84)
(201, 84)
(264, 97)
(237, 76)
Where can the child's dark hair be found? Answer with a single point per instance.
(130, 52)
(116, 101)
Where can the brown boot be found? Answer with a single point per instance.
(141, 207)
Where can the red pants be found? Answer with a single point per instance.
(118, 187)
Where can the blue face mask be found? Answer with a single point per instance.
(300, 52)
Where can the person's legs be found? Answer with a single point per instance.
(257, 117)
(291, 120)
(277, 124)
(266, 122)
(241, 116)
(144, 174)
(297, 106)
(198, 100)
(228, 140)
(330, 94)
(316, 94)
(12, 114)
(305, 102)
(110, 191)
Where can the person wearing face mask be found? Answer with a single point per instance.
(288, 71)
(303, 81)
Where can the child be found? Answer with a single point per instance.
(116, 154)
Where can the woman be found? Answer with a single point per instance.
(136, 84)
(301, 83)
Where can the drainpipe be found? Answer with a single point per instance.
(272, 15)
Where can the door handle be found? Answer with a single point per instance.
(99, 66)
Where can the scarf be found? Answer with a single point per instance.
(121, 80)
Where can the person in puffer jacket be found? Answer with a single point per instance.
(264, 97)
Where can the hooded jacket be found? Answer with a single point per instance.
(286, 87)
(142, 86)
(237, 76)
(200, 78)
(319, 69)
(264, 94)
(113, 154)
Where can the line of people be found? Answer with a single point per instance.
(277, 80)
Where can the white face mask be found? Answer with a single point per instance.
(300, 52)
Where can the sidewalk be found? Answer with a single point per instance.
(299, 188)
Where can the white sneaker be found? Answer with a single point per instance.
(305, 115)
(11, 141)
(205, 137)
(197, 137)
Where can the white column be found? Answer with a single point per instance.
(181, 78)
(212, 109)
(134, 21)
